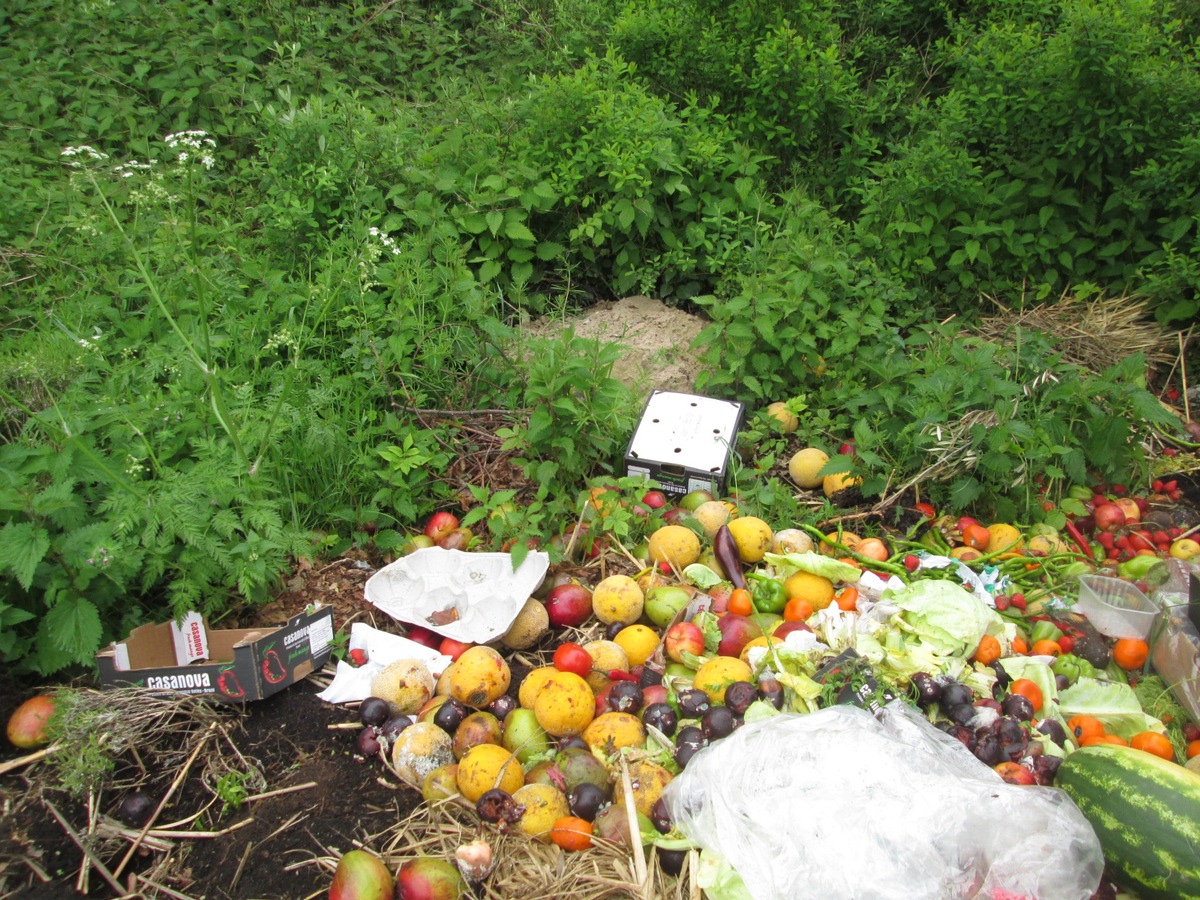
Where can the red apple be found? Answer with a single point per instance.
(452, 648)
(27, 725)
(440, 523)
(681, 638)
(720, 597)
(962, 523)
(783, 629)
(1133, 512)
(569, 605)
(654, 499)
(1109, 517)
(846, 449)
(424, 636)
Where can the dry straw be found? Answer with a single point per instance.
(1092, 333)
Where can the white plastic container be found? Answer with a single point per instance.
(1115, 607)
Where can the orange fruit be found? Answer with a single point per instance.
(1104, 739)
(976, 537)
(1154, 742)
(798, 609)
(572, 833)
(847, 598)
(1045, 648)
(1029, 690)
(1130, 653)
(1085, 727)
(988, 650)
(1193, 749)
(638, 642)
(740, 602)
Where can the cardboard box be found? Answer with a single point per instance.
(232, 665)
(683, 442)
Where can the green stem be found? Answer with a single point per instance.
(216, 397)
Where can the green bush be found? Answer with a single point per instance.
(1040, 165)
(649, 198)
(998, 427)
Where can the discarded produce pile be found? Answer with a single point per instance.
(700, 624)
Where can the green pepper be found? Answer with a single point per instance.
(1080, 492)
(767, 594)
(1137, 567)
(1045, 630)
(1073, 667)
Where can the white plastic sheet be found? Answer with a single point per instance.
(839, 804)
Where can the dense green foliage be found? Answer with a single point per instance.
(244, 244)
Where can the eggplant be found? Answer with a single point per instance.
(725, 552)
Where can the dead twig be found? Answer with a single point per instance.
(22, 761)
(179, 778)
(87, 852)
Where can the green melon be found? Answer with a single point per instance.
(1145, 812)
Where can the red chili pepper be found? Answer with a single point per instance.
(1077, 536)
(620, 675)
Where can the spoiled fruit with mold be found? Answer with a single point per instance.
(406, 685)
(479, 677)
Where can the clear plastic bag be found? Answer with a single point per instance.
(841, 804)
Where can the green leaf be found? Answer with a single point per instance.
(548, 250)
(519, 231)
(74, 625)
(22, 546)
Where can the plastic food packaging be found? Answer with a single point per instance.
(1116, 607)
(842, 804)
(1174, 639)
(470, 597)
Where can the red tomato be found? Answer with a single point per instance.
(570, 657)
(926, 509)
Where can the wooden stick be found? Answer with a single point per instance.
(1187, 410)
(286, 790)
(161, 887)
(200, 834)
(639, 854)
(166, 797)
(91, 857)
(20, 761)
